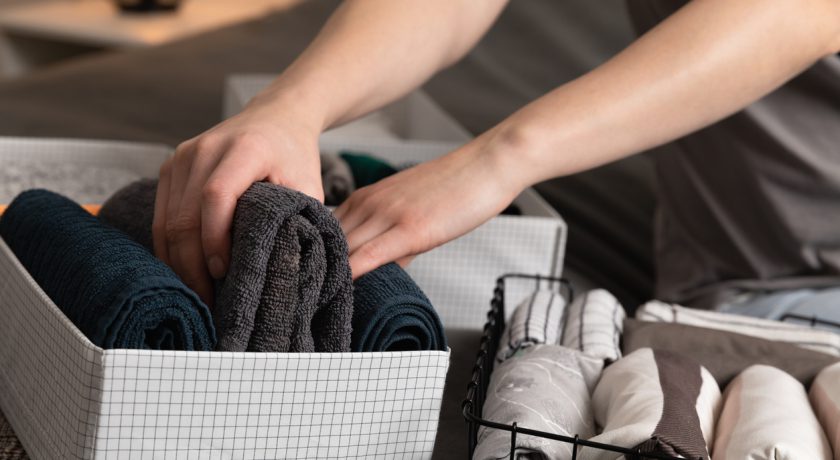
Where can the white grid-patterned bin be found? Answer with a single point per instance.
(67, 398)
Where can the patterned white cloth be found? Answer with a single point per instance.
(825, 400)
(543, 387)
(537, 320)
(815, 339)
(766, 415)
(593, 325)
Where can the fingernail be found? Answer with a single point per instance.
(216, 267)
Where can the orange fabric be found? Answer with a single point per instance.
(91, 208)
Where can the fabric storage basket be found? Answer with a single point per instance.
(67, 398)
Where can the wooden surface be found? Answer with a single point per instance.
(100, 23)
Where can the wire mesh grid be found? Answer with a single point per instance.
(473, 404)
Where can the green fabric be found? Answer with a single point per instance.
(366, 168)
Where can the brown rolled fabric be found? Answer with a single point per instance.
(725, 354)
(655, 402)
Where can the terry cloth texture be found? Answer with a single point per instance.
(657, 401)
(825, 400)
(81, 183)
(113, 290)
(131, 209)
(815, 339)
(366, 169)
(546, 388)
(391, 313)
(766, 415)
(288, 287)
(593, 325)
(725, 354)
(10, 446)
(537, 320)
(337, 179)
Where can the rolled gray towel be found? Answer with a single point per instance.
(131, 210)
(337, 179)
(288, 287)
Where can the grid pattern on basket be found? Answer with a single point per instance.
(140, 158)
(247, 405)
(49, 373)
(67, 398)
(458, 276)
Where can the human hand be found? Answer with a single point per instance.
(425, 206)
(199, 186)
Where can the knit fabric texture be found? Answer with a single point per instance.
(366, 169)
(10, 446)
(337, 179)
(391, 313)
(131, 210)
(111, 288)
(288, 287)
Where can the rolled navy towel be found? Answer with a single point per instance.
(391, 313)
(288, 287)
(110, 287)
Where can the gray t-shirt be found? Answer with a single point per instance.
(752, 202)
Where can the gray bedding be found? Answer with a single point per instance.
(170, 93)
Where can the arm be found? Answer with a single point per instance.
(369, 53)
(708, 60)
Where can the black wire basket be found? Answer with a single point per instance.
(477, 388)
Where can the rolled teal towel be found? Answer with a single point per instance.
(116, 292)
(391, 313)
(366, 169)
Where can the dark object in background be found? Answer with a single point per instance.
(367, 169)
(145, 6)
(117, 293)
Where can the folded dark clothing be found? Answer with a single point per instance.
(366, 169)
(725, 354)
(288, 287)
(111, 288)
(391, 313)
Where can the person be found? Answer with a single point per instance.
(749, 203)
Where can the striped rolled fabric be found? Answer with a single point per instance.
(766, 415)
(537, 320)
(815, 339)
(825, 400)
(593, 325)
(655, 401)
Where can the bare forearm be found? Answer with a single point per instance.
(707, 61)
(372, 52)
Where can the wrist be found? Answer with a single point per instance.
(511, 150)
(286, 100)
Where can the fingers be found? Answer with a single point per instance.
(384, 248)
(190, 168)
(226, 184)
(159, 220)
